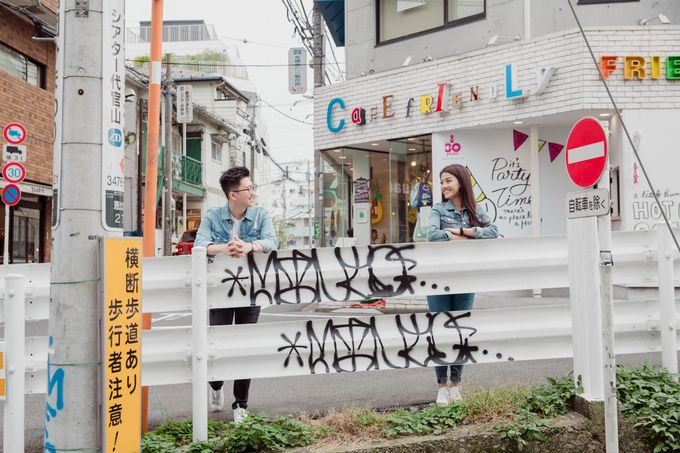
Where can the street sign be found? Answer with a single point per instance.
(3, 382)
(14, 153)
(13, 172)
(588, 203)
(586, 152)
(11, 194)
(316, 230)
(113, 115)
(122, 341)
(185, 104)
(297, 70)
(14, 133)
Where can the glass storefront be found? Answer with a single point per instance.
(398, 171)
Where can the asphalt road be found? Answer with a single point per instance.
(320, 393)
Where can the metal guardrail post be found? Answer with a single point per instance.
(669, 317)
(15, 357)
(199, 334)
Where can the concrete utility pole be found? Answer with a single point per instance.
(167, 182)
(318, 46)
(310, 218)
(253, 143)
(73, 391)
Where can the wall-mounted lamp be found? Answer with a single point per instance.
(662, 18)
(495, 38)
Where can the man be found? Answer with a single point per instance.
(235, 230)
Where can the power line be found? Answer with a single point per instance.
(284, 114)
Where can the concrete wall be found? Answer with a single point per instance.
(503, 18)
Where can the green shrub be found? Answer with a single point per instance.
(157, 443)
(650, 398)
(432, 419)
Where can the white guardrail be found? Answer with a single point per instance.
(173, 355)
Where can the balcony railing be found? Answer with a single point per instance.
(174, 33)
(184, 168)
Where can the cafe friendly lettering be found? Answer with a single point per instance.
(440, 100)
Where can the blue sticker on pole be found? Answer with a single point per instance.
(11, 194)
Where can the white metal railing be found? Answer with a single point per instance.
(174, 33)
(199, 353)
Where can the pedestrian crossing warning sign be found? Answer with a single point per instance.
(122, 341)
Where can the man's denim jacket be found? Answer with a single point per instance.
(445, 215)
(256, 227)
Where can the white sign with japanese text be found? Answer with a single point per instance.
(588, 203)
(297, 70)
(185, 106)
(113, 99)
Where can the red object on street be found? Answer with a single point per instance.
(186, 243)
(586, 152)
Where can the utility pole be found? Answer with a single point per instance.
(73, 417)
(253, 143)
(167, 182)
(318, 46)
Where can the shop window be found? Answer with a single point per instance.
(398, 19)
(19, 65)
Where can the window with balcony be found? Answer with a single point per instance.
(19, 65)
(399, 19)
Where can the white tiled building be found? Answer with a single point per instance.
(432, 93)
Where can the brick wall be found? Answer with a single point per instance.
(25, 103)
(51, 4)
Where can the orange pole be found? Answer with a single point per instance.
(153, 132)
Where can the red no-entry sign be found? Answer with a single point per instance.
(586, 152)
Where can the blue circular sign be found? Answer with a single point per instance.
(11, 194)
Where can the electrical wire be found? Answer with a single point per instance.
(285, 114)
(625, 129)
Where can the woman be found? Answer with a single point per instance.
(456, 218)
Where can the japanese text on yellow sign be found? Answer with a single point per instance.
(3, 382)
(122, 345)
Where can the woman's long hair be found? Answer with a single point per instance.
(466, 194)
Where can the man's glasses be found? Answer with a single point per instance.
(250, 189)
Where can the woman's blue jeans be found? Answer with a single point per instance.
(450, 302)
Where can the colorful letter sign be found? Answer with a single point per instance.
(122, 352)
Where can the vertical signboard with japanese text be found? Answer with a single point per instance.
(297, 70)
(185, 106)
(121, 335)
(113, 99)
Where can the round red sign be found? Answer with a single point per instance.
(13, 172)
(14, 133)
(586, 154)
(11, 194)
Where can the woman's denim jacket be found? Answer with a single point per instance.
(256, 227)
(445, 215)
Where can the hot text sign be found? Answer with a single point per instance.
(122, 322)
(586, 152)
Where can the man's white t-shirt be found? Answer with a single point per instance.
(235, 228)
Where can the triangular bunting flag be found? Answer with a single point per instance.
(555, 150)
(518, 138)
(541, 145)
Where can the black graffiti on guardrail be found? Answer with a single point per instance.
(356, 345)
(297, 276)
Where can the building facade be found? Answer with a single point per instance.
(495, 86)
(27, 81)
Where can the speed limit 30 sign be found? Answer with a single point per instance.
(13, 172)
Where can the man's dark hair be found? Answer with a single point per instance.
(231, 179)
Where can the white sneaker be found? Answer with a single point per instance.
(216, 400)
(239, 414)
(442, 397)
(454, 394)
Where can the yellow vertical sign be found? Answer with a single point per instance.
(122, 352)
(3, 382)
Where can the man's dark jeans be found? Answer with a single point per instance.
(227, 316)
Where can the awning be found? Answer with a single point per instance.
(333, 12)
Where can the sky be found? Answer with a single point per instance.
(264, 25)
